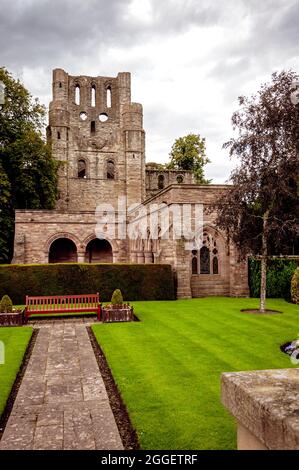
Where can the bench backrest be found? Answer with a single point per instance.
(61, 302)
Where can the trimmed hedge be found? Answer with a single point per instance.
(136, 281)
(279, 276)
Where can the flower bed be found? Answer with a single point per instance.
(12, 318)
(117, 313)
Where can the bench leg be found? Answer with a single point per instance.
(99, 313)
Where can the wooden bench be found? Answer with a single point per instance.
(62, 304)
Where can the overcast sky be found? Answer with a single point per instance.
(189, 59)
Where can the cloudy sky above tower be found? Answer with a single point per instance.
(189, 59)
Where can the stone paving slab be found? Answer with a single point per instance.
(62, 402)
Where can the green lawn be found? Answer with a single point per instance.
(168, 366)
(15, 340)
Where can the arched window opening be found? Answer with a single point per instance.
(98, 251)
(110, 170)
(92, 127)
(77, 94)
(215, 265)
(160, 181)
(60, 85)
(81, 168)
(180, 179)
(63, 250)
(204, 260)
(108, 97)
(58, 135)
(194, 265)
(93, 96)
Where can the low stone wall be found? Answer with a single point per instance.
(11, 319)
(266, 407)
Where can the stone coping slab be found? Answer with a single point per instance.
(266, 406)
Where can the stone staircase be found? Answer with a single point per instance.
(209, 285)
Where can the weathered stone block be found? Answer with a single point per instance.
(265, 405)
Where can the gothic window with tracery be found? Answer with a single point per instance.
(205, 260)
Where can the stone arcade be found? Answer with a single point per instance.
(97, 132)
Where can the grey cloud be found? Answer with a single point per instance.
(39, 32)
(43, 31)
(79, 36)
(273, 33)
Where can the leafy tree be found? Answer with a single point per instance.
(6, 219)
(155, 165)
(28, 173)
(189, 153)
(260, 211)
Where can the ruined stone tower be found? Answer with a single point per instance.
(98, 134)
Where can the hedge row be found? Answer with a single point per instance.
(137, 282)
(279, 276)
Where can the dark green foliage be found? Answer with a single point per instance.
(6, 216)
(28, 173)
(5, 304)
(137, 282)
(279, 276)
(295, 287)
(189, 153)
(117, 298)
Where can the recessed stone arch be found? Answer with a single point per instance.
(95, 255)
(98, 251)
(92, 236)
(82, 167)
(110, 169)
(58, 235)
(63, 250)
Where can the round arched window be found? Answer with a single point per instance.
(81, 168)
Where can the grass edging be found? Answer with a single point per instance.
(126, 430)
(17, 383)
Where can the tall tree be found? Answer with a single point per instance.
(28, 173)
(189, 153)
(260, 211)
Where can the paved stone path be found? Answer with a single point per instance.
(62, 402)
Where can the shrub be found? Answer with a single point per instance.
(6, 304)
(117, 298)
(279, 275)
(136, 281)
(295, 287)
